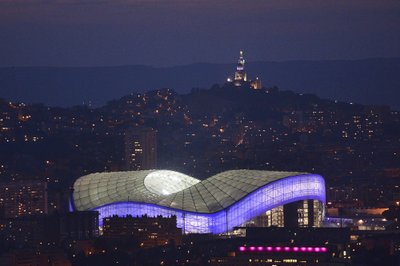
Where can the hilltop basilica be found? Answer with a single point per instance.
(240, 77)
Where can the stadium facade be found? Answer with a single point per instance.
(215, 205)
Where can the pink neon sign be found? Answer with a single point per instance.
(283, 249)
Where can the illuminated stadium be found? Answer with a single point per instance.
(215, 205)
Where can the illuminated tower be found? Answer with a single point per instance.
(141, 149)
(240, 74)
(240, 78)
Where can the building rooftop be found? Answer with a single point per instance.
(172, 189)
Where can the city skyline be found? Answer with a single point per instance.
(199, 132)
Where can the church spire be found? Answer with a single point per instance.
(241, 61)
(240, 75)
(240, 78)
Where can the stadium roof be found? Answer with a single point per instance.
(171, 189)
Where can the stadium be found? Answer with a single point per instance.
(216, 205)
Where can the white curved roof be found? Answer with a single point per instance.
(165, 182)
(214, 205)
(171, 189)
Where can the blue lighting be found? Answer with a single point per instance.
(277, 193)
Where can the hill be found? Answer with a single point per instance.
(367, 81)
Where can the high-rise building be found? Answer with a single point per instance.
(141, 148)
(23, 198)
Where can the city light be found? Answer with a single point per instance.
(283, 249)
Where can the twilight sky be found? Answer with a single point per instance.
(174, 32)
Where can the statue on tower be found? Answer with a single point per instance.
(240, 74)
(240, 78)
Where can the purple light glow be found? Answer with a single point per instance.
(252, 248)
(309, 249)
(286, 248)
(242, 248)
(269, 248)
(71, 205)
(278, 248)
(296, 249)
(300, 187)
(260, 248)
